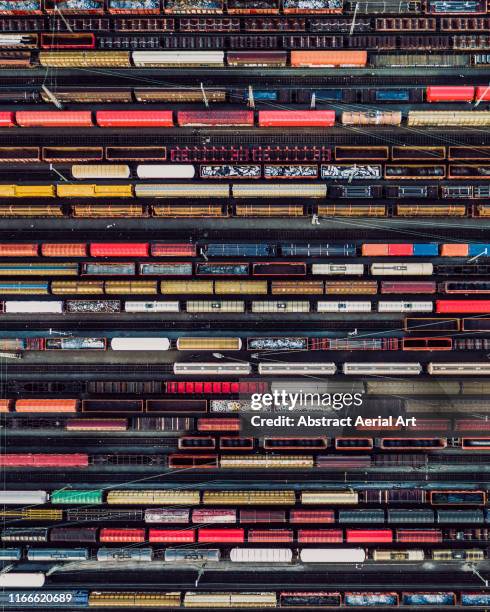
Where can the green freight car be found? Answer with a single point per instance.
(76, 496)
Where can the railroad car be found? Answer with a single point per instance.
(284, 368)
(125, 554)
(188, 59)
(218, 369)
(244, 249)
(343, 306)
(208, 344)
(403, 287)
(300, 249)
(332, 555)
(472, 118)
(458, 369)
(462, 93)
(268, 210)
(58, 554)
(25, 288)
(383, 369)
(23, 498)
(384, 306)
(288, 268)
(29, 580)
(44, 460)
(222, 269)
(100, 171)
(376, 117)
(290, 172)
(46, 405)
(338, 269)
(297, 287)
(249, 497)
(63, 249)
(187, 287)
(401, 269)
(202, 306)
(256, 59)
(280, 307)
(261, 555)
(269, 190)
(183, 190)
(215, 118)
(54, 118)
(228, 388)
(232, 600)
(288, 118)
(351, 172)
(328, 59)
(192, 555)
(279, 343)
(462, 306)
(140, 344)
(18, 250)
(131, 599)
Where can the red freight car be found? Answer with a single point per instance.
(296, 118)
(429, 536)
(471, 425)
(483, 93)
(122, 535)
(466, 306)
(7, 119)
(408, 287)
(54, 118)
(263, 516)
(172, 535)
(369, 535)
(124, 118)
(116, 249)
(320, 536)
(384, 250)
(284, 536)
(312, 516)
(450, 94)
(161, 249)
(215, 118)
(42, 460)
(219, 388)
(229, 536)
(18, 250)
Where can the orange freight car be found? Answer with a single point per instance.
(329, 59)
(18, 250)
(46, 405)
(51, 249)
